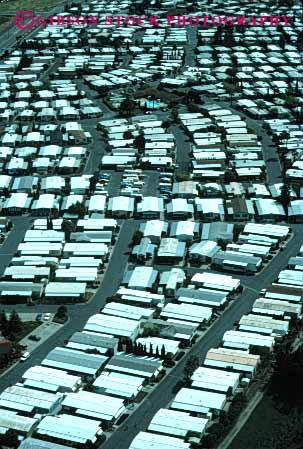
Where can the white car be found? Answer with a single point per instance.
(24, 356)
(47, 316)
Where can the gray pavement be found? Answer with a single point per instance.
(182, 151)
(15, 236)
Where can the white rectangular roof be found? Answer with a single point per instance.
(95, 405)
(175, 423)
(192, 400)
(70, 428)
(217, 281)
(146, 440)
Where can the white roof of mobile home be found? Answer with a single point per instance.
(216, 281)
(50, 379)
(94, 405)
(65, 289)
(146, 440)
(175, 423)
(70, 428)
(97, 202)
(10, 420)
(267, 229)
(97, 223)
(27, 399)
(126, 311)
(108, 324)
(198, 401)
(85, 249)
(119, 384)
(243, 340)
(40, 248)
(187, 312)
(214, 379)
(26, 272)
(33, 235)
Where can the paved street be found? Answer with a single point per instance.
(151, 183)
(182, 150)
(16, 235)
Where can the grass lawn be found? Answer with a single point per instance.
(27, 328)
(257, 432)
(38, 5)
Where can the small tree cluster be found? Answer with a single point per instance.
(11, 326)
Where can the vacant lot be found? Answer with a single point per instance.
(38, 5)
(267, 428)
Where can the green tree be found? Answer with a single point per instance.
(67, 227)
(77, 208)
(127, 106)
(174, 115)
(222, 243)
(120, 346)
(61, 312)
(10, 439)
(285, 197)
(129, 347)
(127, 135)
(139, 142)
(137, 237)
(283, 138)
(3, 323)
(190, 367)
(209, 441)
(49, 223)
(231, 89)
(92, 183)
(14, 323)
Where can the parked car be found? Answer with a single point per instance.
(34, 338)
(24, 356)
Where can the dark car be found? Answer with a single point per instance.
(34, 338)
(39, 317)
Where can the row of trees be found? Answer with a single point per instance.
(139, 349)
